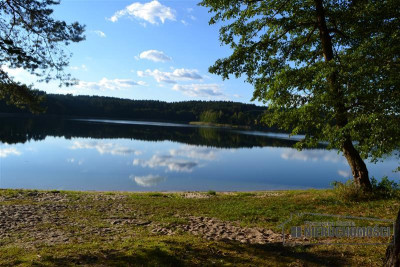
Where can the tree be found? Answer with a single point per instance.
(392, 258)
(326, 68)
(31, 39)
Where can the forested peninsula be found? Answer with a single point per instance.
(217, 112)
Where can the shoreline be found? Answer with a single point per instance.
(164, 192)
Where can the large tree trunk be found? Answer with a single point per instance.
(358, 167)
(393, 251)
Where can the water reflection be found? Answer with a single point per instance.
(22, 129)
(148, 180)
(105, 148)
(5, 152)
(74, 161)
(80, 155)
(167, 161)
(199, 153)
(311, 155)
(182, 159)
(343, 173)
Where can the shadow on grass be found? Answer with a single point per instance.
(212, 253)
(144, 257)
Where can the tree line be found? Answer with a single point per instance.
(224, 112)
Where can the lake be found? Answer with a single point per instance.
(88, 154)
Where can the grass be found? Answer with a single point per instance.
(384, 189)
(87, 212)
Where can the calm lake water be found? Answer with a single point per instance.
(69, 154)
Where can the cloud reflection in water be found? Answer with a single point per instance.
(148, 180)
(311, 155)
(182, 159)
(168, 161)
(105, 148)
(5, 152)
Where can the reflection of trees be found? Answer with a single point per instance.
(22, 129)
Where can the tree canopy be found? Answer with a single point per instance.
(31, 39)
(327, 68)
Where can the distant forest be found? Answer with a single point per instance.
(221, 112)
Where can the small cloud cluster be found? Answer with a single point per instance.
(106, 84)
(19, 74)
(105, 148)
(100, 34)
(154, 55)
(148, 180)
(81, 67)
(199, 90)
(190, 16)
(152, 12)
(171, 77)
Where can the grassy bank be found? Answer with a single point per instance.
(52, 228)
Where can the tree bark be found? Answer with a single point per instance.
(392, 258)
(358, 167)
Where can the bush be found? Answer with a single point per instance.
(349, 191)
(385, 188)
(211, 193)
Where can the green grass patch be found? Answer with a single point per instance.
(101, 238)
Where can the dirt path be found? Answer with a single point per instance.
(44, 217)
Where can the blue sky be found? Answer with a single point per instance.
(145, 50)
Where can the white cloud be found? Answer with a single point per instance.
(192, 17)
(100, 34)
(5, 152)
(105, 148)
(142, 83)
(148, 180)
(25, 77)
(171, 77)
(185, 74)
(168, 161)
(12, 71)
(20, 74)
(200, 90)
(152, 12)
(155, 55)
(106, 84)
(184, 22)
(82, 67)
